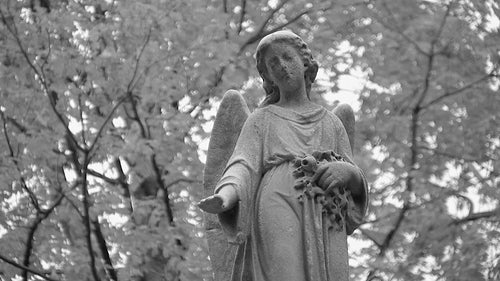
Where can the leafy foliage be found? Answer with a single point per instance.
(103, 105)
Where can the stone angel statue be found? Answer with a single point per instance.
(282, 189)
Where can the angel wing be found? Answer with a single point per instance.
(345, 113)
(231, 116)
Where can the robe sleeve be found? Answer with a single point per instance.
(243, 172)
(358, 207)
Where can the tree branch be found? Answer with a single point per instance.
(103, 177)
(82, 123)
(460, 90)
(394, 28)
(159, 181)
(86, 217)
(477, 216)
(29, 246)
(283, 25)
(41, 215)
(260, 31)
(415, 117)
(132, 82)
(31, 195)
(181, 180)
(369, 236)
(39, 73)
(31, 270)
(106, 121)
(449, 155)
(242, 15)
(101, 240)
(123, 182)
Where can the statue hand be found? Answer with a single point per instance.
(212, 204)
(220, 202)
(336, 174)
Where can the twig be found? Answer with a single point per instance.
(46, 59)
(242, 15)
(101, 129)
(103, 177)
(24, 185)
(41, 215)
(477, 216)
(449, 155)
(39, 73)
(82, 123)
(181, 180)
(369, 236)
(159, 181)
(101, 240)
(294, 19)
(29, 246)
(31, 270)
(132, 82)
(458, 91)
(415, 117)
(396, 29)
(123, 182)
(86, 216)
(260, 31)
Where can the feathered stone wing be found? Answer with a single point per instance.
(345, 113)
(231, 116)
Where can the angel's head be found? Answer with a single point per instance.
(293, 40)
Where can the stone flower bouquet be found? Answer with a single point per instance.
(335, 201)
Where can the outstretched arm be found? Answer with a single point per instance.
(228, 124)
(225, 199)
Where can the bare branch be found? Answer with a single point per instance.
(29, 246)
(41, 215)
(442, 24)
(449, 155)
(368, 235)
(7, 139)
(242, 15)
(86, 216)
(32, 196)
(260, 31)
(477, 216)
(460, 90)
(123, 182)
(414, 124)
(294, 19)
(31, 270)
(394, 28)
(101, 240)
(187, 180)
(82, 123)
(39, 74)
(270, 16)
(103, 177)
(101, 129)
(133, 81)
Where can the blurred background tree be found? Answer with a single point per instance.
(106, 106)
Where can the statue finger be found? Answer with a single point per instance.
(319, 173)
(325, 180)
(334, 184)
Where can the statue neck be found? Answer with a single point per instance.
(293, 97)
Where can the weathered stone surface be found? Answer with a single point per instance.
(288, 192)
(230, 118)
(346, 115)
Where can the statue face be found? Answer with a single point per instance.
(284, 66)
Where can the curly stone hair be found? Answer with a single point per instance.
(285, 36)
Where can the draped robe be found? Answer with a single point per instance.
(279, 237)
